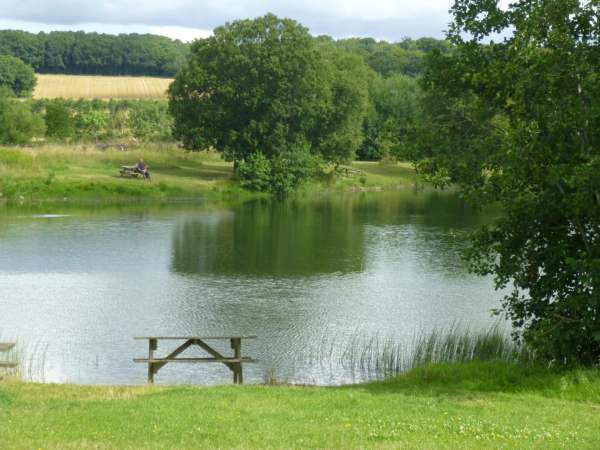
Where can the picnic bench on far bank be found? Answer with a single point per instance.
(5, 347)
(234, 363)
(130, 172)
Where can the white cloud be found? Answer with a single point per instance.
(184, 34)
(191, 18)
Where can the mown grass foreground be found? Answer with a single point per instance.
(471, 405)
(90, 174)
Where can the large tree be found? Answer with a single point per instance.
(517, 123)
(264, 85)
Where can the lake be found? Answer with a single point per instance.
(306, 276)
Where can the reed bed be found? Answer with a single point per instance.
(365, 358)
(378, 358)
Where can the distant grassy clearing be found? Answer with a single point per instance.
(86, 173)
(100, 87)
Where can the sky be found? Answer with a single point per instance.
(391, 20)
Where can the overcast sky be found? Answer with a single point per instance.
(187, 19)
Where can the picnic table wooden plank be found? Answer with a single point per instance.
(193, 337)
(192, 360)
(8, 364)
(6, 346)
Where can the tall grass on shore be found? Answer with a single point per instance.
(379, 358)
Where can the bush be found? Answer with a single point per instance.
(255, 173)
(292, 168)
(18, 124)
(59, 122)
(16, 76)
(279, 175)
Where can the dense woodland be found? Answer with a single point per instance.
(68, 52)
(82, 53)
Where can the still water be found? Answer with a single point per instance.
(306, 277)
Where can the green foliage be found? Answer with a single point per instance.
(150, 120)
(92, 123)
(16, 76)
(518, 123)
(59, 121)
(95, 54)
(264, 85)
(338, 133)
(393, 115)
(290, 169)
(255, 173)
(279, 175)
(95, 120)
(18, 123)
(389, 59)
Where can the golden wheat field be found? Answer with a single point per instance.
(100, 87)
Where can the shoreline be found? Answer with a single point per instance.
(83, 176)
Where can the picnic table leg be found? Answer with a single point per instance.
(236, 344)
(152, 345)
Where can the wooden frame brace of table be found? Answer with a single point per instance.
(233, 363)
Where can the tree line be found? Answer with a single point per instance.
(80, 53)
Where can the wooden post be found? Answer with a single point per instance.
(236, 345)
(152, 345)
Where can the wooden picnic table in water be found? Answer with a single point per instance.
(5, 347)
(234, 363)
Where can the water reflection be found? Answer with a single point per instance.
(305, 238)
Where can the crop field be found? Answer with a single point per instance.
(100, 87)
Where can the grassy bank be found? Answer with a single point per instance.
(80, 174)
(468, 405)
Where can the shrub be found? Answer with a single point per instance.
(18, 124)
(59, 122)
(16, 76)
(255, 173)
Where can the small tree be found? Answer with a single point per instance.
(16, 76)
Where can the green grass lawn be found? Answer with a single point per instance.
(76, 174)
(470, 405)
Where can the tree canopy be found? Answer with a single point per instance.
(517, 123)
(16, 76)
(264, 85)
(95, 54)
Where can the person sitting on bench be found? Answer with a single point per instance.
(142, 168)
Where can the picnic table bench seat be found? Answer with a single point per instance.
(4, 348)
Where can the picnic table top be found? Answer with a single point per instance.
(129, 167)
(193, 337)
(195, 360)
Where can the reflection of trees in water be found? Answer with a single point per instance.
(271, 238)
(301, 238)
